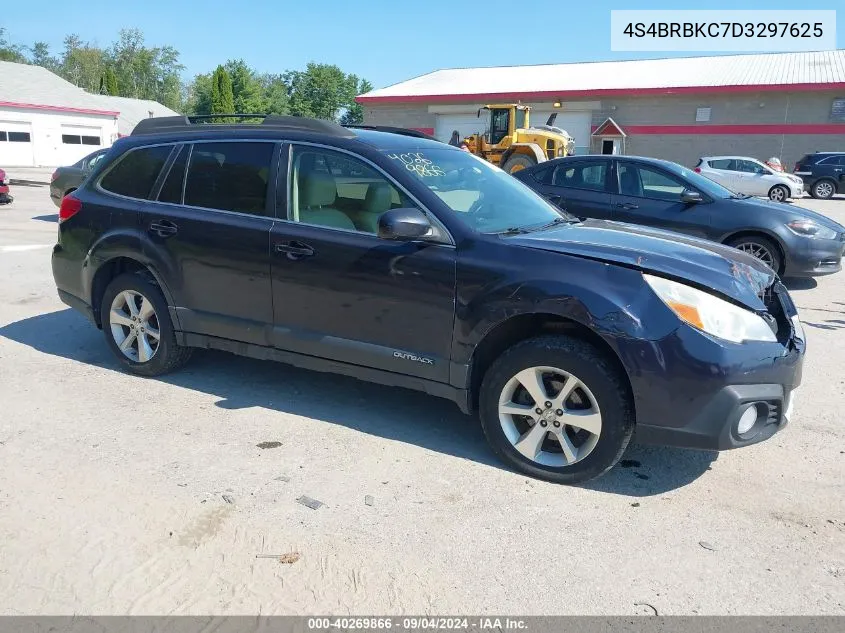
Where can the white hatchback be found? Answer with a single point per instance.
(751, 177)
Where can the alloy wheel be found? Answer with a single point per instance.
(759, 251)
(824, 189)
(777, 194)
(134, 326)
(550, 416)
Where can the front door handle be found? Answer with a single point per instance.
(163, 228)
(627, 206)
(294, 249)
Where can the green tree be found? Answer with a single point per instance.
(199, 95)
(10, 52)
(354, 114)
(247, 91)
(82, 64)
(40, 56)
(321, 90)
(111, 82)
(275, 94)
(222, 99)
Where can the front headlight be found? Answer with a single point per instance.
(809, 228)
(710, 314)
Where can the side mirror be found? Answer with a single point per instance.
(403, 224)
(691, 197)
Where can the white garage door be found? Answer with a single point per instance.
(465, 124)
(576, 123)
(16, 144)
(78, 141)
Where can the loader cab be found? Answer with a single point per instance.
(504, 121)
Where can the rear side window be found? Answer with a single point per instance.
(136, 172)
(723, 163)
(591, 176)
(229, 176)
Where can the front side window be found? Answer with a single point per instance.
(480, 195)
(590, 176)
(228, 176)
(135, 173)
(750, 167)
(336, 190)
(643, 182)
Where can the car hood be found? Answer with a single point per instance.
(792, 212)
(726, 270)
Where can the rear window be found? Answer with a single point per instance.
(136, 173)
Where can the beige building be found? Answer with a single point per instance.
(783, 104)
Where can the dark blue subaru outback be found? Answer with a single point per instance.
(400, 260)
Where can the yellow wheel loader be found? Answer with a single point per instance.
(511, 143)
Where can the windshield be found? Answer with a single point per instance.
(480, 195)
(702, 183)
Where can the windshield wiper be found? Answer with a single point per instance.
(514, 230)
(556, 222)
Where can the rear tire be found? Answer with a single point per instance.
(761, 248)
(534, 443)
(518, 162)
(823, 189)
(778, 193)
(137, 327)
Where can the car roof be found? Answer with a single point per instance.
(659, 162)
(375, 139)
(731, 158)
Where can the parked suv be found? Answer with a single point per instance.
(410, 263)
(823, 173)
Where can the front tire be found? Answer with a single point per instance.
(761, 248)
(823, 189)
(533, 399)
(137, 327)
(778, 193)
(518, 162)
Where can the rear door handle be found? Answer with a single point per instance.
(554, 198)
(627, 206)
(294, 249)
(163, 228)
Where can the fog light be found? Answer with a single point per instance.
(749, 417)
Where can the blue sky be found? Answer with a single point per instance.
(385, 41)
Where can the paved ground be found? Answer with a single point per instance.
(127, 495)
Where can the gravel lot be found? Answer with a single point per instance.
(151, 496)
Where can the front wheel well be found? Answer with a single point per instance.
(107, 272)
(771, 238)
(526, 326)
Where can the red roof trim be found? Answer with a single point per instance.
(607, 92)
(777, 128)
(608, 128)
(35, 106)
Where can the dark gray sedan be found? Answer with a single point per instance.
(794, 242)
(67, 179)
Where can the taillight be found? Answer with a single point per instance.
(70, 207)
(697, 170)
(54, 176)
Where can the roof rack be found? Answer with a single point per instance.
(393, 130)
(268, 121)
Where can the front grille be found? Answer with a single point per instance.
(775, 410)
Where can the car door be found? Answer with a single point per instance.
(722, 171)
(651, 196)
(756, 179)
(832, 168)
(208, 229)
(579, 187)
(339, 291)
